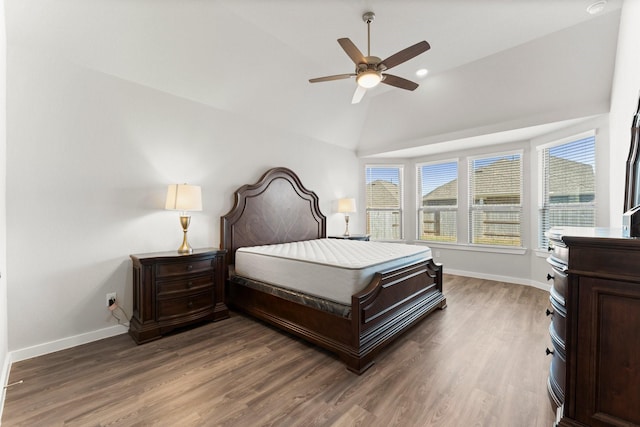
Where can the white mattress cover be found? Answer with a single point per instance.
(334, 269)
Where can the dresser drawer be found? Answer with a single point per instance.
(190, 284)
(180, 268)
(558, 326)
(557, 372)
(184, 306)
(559, 251)
(559, 288)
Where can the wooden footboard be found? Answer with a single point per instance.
(393, 302)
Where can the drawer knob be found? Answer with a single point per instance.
(549, 351)
(549, 276)
(189, 267)
(189, 285)
(549, 312)
(190, 304)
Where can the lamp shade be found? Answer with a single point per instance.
(183, 197)
(346, 205)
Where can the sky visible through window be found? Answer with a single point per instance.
(433, 176)
(582, 151)
(385, 174)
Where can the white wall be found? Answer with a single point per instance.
(89, 159)
(624, 101)
(4, 354)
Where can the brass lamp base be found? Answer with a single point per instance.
(185, 248)
(346, 230)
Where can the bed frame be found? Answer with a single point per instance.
(279, 209)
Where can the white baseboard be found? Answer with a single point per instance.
(64, 343)
(498, 278)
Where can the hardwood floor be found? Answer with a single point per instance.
(479, 362)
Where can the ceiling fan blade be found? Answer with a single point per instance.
(404, 55)
(358, 94)
(330, 78)
(400, 82)
(354, 53)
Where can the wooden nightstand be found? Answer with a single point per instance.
(172, 290)
(364, 237)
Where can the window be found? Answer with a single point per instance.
(568, 185)
(384, 202)
(437, 201)
(495, 200)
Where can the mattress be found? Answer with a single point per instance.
(333, 269)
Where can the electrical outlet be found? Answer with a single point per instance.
(111, 296)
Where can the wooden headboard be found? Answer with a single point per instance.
(276, 209)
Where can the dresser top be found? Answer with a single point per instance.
(559, 232)
(175, 254)
(592, 235)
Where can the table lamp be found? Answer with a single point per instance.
(346, 206)
(184, 198)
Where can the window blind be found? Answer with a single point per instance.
(437, 201)
(495, 200)
(568, 186)
(384, 202)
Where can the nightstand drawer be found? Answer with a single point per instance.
(190, 284)
(182, 307)
(180, 268)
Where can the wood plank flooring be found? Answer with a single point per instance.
(479, 362)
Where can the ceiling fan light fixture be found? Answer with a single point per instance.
(369, 78)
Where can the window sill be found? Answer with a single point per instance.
(473, 248)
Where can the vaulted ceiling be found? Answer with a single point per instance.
(498, 69)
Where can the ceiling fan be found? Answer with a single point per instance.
(370, 70)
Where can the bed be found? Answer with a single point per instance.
(278, 210)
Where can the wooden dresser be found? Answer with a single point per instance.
(172, 290)
(595, 327)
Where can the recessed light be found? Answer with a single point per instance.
(597, 7)
(422, 72)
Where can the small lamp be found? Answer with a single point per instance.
(184, 198)
(346, 206)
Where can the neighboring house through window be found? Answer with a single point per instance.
(568, 184)
(437, 201)
(384, 201)
(495, 200)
